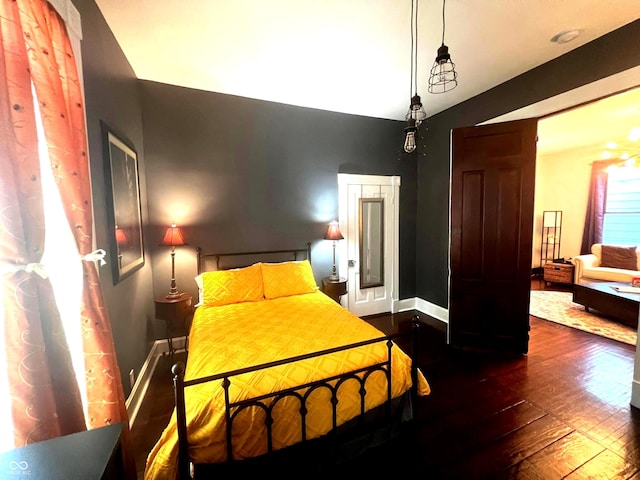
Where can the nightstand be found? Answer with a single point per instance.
(334, 288)
(176, 312)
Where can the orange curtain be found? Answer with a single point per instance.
(45, 397)
(39, 37)
(55, 78)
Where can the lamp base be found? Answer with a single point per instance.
(173, 291)
(334, 277)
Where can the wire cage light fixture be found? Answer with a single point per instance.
(416, 113)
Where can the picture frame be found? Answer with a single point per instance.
(124, 212)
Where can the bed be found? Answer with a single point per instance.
(276, 366)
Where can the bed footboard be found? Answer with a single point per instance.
(301, 392)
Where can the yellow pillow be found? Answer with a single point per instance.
(287, 278)
(223, 287)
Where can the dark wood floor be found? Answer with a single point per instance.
(561, 411)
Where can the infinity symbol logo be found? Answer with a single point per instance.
(18, 465)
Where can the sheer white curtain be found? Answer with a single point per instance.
(61, 263)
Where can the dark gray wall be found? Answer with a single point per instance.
(610, 54)
(237, 174)
(243, 175)
(112, 95)
(240, 174)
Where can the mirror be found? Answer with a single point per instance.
(371, 242)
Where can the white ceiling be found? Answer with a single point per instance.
(349, 56)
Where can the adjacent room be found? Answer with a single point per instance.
(243, 237)
(572, 144)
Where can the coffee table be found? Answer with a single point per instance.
(601, 296)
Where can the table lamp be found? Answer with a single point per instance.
(173, 238)
(333, 233)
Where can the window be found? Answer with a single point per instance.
(622, 207)
(60, 258)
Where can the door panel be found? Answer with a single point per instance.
(492, 194)
(472, 216)
(367, 301)
(375, 299)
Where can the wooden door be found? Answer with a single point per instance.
(492, 200)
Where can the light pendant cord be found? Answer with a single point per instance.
(415, 53)
(443, 23)
(413, 84)
(412, 54)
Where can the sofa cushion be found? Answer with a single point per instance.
(619, 257)
(607, 274)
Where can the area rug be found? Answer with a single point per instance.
(558, 307)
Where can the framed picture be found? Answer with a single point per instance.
(124, 214)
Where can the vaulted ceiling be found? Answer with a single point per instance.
(350, 56)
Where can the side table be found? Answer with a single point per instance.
(334, 288)
(176, 312)
(558, 273)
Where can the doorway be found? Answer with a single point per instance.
(608, 86)
(369, 220)
(573, 129)
(569, 142)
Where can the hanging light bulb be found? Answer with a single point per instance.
(410, 137)
(416, 110)
(416, 113)
(443, 76)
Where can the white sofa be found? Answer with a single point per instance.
(587, 268)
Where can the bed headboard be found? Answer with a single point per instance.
(225, 261)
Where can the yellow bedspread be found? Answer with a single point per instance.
(230, 337)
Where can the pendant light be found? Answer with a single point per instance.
(416, 114)
(410, 136)
(443, 76)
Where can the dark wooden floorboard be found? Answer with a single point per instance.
(557, 460)
(561, 411)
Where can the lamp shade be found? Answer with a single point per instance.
(333, 232)
(172, 237)
(416, 110)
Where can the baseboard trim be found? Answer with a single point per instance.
(139, 389)
(433, 310)
(404, 305)
(141, 385)
(635, 389)
(428, 308)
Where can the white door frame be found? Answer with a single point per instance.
(349, 225)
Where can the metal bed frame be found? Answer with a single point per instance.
(301, 392)
(291, 254)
